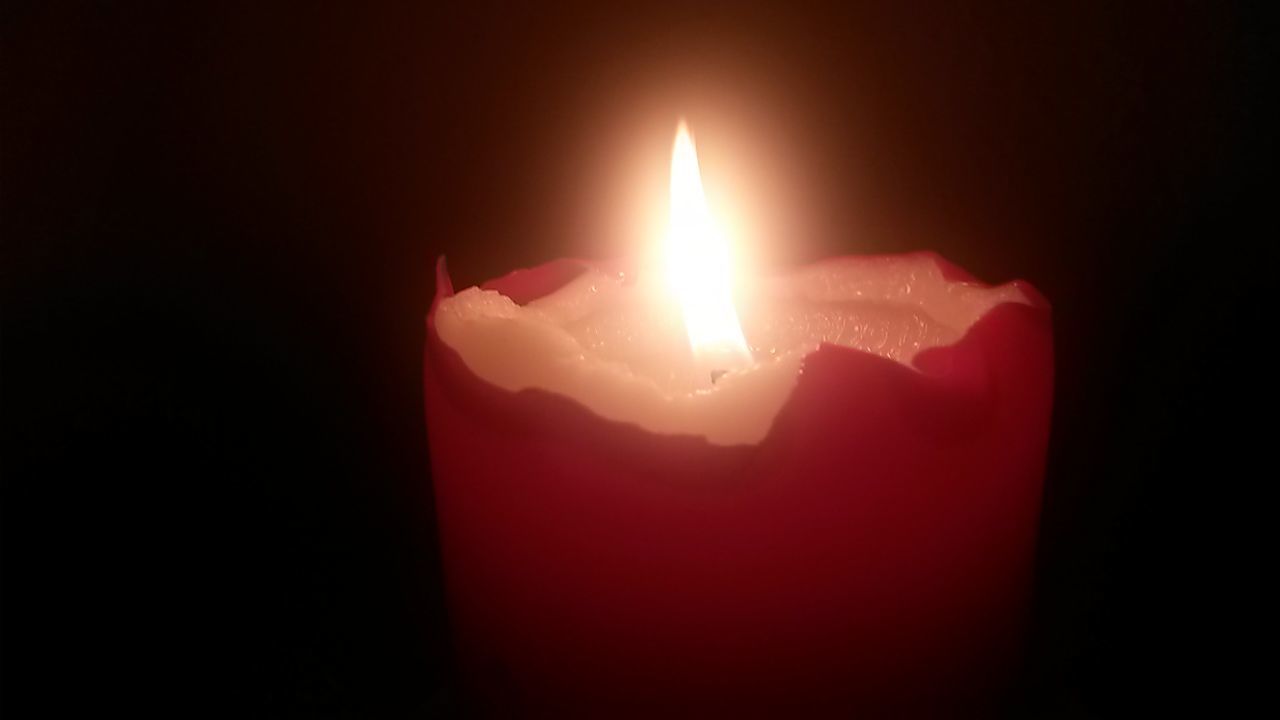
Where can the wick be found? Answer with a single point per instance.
(716, 375)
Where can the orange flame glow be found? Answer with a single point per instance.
(699, 266)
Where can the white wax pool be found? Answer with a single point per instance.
(620, 349)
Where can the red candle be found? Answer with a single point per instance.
(830, 506)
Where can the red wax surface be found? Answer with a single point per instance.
(872, 554)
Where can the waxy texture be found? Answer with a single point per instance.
(873, 552)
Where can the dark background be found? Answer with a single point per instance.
(219, 225)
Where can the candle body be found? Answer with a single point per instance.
(872, 552)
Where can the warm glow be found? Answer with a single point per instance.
(699, 266)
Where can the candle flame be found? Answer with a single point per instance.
(699, 266)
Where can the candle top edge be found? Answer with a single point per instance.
(582, 337)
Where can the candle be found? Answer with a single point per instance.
(823, 498)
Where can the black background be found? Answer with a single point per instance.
(219, 226)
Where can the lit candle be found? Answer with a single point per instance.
(649, 498)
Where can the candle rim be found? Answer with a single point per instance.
(929, 364)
